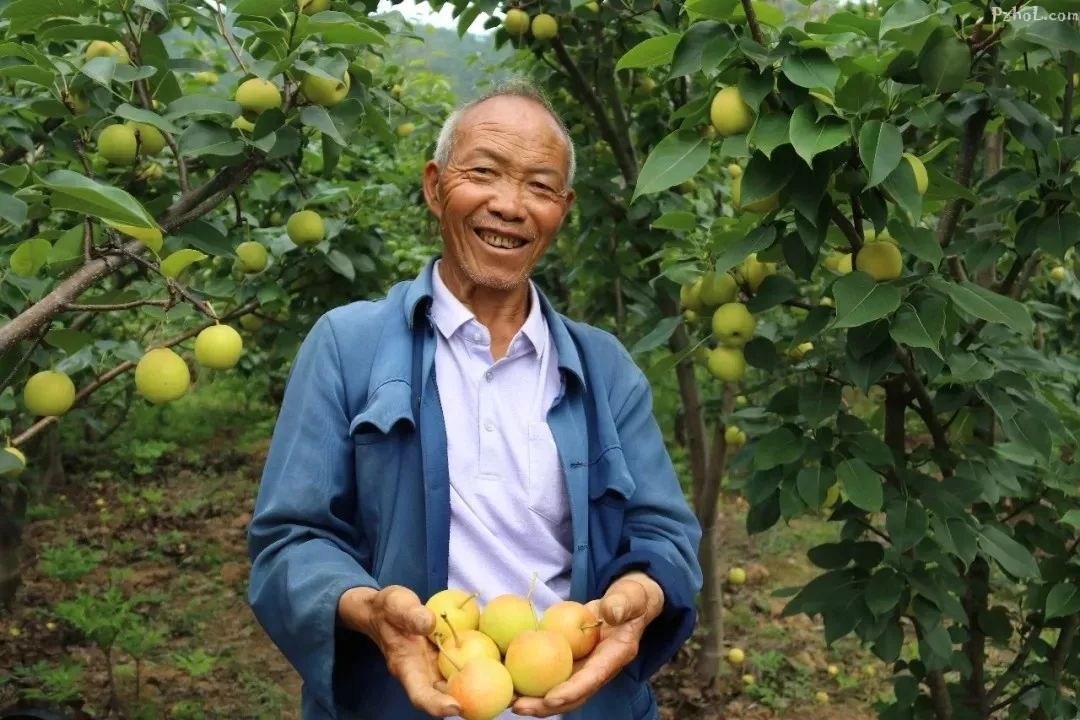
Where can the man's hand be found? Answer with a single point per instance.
(628, 606)
(398, 623)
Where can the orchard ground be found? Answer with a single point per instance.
(164, 522)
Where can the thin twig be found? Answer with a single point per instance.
(118, 306)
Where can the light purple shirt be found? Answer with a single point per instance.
(509, 513)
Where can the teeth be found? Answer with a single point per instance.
(500, 241)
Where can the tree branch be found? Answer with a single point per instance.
(965, 165)
(852, 235)
(627, 165)
(1015, 666)
(120, 369)
(925, 403)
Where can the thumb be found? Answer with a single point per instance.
(614, 609)
(420, 620)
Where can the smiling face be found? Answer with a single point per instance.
(502, 196)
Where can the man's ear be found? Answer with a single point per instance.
(431, 188)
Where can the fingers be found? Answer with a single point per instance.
(624, 601)
(423, 693)
(401, 607)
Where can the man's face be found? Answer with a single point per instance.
(503, 194)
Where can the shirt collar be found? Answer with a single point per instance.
(449, 314)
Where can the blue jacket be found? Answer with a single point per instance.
(355, 492)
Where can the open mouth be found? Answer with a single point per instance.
(497, 240)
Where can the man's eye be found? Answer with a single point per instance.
(481, 171)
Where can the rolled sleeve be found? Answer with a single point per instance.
(304, 542)
(661, 535)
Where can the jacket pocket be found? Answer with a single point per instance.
(611, 488)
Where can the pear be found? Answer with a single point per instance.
(483, 688)
(538, 660)
(461, 647)
(454, 609)
(575, 622)
(505, 617)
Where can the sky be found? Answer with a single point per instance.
(423, 12)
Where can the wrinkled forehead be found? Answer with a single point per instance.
(515, 125)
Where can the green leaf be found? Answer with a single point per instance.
(29, 73)
(903, 14)
(1052, 34)
(764, 176)
(922, 326)
(736, 247)
(130, 112)
(935, 649)
(72, 191)
(819, 400)
(810, 136)
(901, 189)
(178, 261)
(339, 262)
(1063, 599)
(27, 16)
(701, 43)
(883, 591)
(30, 256)
(1072, 519)
(812, 69)
(861, 484)
(12, 209)
(204, 138)
(778, 447)
(1057, 233)
(70, 341)
(880, 147)
(906, 522)
(987, 305)
(1013, 557)
(315, 116)
(813, 483)
(202, 104)
(265, 8)
(650, 53)
(769, 132)
(919, 241)
(955, 536)
(682, 220)
(676, 158)
(861, 300)
(100, 69)
(1029, 431)
(657, 336)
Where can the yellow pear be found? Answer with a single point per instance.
(880, 260)
(730, 115)
(505, 617)
(461, 647)
(482, 687)
(733, 435)
(753, 272)
(765, 205)
(516, 22)
(117, 144)
(218, 347)
(736, 656)
(101, 48)
(151, 140)
(460, 606)
(727, 364)
(49, 392)
(404, 130)
(251, 322)
(305, 228)
(1058, 273)
(320, 91)
(253, 256)
(736, 576)
(538, 660)
(310, 7)
(544, 27)
(690, 294)
(243, 124)
(733, 324)
(256, 96)
(162, 376)
(207, 76)
(575, 622)
(717, 289)
(799, 351)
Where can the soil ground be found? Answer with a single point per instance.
(155, 560)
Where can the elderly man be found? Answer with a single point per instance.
(461, 433)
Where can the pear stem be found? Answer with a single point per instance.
(438, 641)
(528, 599)
(446, 619)
(467, 600)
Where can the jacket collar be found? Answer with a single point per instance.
(418, 299)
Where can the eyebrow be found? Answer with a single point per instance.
(503, 159)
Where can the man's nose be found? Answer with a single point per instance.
(508, 200)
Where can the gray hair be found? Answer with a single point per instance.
(518, 87)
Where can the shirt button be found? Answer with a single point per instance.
(489, 426)
(489, 376)
(477, 337)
